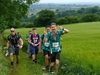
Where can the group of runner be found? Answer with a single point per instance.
(48, 42)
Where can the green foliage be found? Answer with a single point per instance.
(13, 10)
(72, 19)
(79, 12)
(68, 20)
(61, 21)
(90, 18)
(45, 18)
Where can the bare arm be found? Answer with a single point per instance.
(44, 39)
(40, 46)
(21, 42)
(8, 44)
(29, 41)
(64, 29)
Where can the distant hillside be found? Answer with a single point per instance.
(35, 8)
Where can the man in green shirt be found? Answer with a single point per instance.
(45, 48)
(53, 38)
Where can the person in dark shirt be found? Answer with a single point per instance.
(13, 44)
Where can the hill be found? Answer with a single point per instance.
(80, 53)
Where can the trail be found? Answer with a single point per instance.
(26, 67)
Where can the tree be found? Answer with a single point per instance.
(44, 18)
(12, 10)
(61, 21)
(90, 18)
(72, 19)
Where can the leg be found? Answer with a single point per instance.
(33, 57)
(11, 55)
(17, 59)
(33, 53)
(28, 48)
(47, 60)
(36, 52)
(11, 59)
(46, 55)
(57, 61)
(57, 65)
(17, 55)
(52, 58)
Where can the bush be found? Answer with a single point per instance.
(90, 18)
(61, 21)
(27, 24)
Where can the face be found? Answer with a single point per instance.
(34, 31)
(30, 32)
(53, 28)
(48, 29)
(12, 31)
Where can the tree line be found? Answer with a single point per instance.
(11, 11)
(45, 17)
(14, 14)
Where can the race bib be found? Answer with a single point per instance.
(46, 44)
(56, 44)
(35, 41)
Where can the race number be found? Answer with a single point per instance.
(56, 44)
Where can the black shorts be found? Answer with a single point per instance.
(54, 56)
(46, 52)
(14, 50)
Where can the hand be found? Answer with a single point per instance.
(35, 44)
(60, 27)
(20, 47)
(45, 33)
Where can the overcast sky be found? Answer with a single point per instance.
(67, 1)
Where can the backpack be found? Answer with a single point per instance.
(14, 39)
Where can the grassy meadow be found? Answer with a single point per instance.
(80, 53)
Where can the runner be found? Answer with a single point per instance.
(45, 48)
(26, 38)
(54, 38)
(19, 34)
(13, 39)
(34, 41)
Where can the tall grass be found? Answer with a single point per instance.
(80, 53)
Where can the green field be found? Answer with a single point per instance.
(80, 53)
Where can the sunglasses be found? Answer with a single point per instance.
(12, 31)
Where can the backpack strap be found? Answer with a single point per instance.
(43, 37)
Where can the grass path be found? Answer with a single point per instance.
(26, 67)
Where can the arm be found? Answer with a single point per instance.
(44, 39)
(40, 46)
(8, 44)
(21, 42)
(65, 30)
(29, 41)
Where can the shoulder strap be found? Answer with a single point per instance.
(58, 33)
(43, 37)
